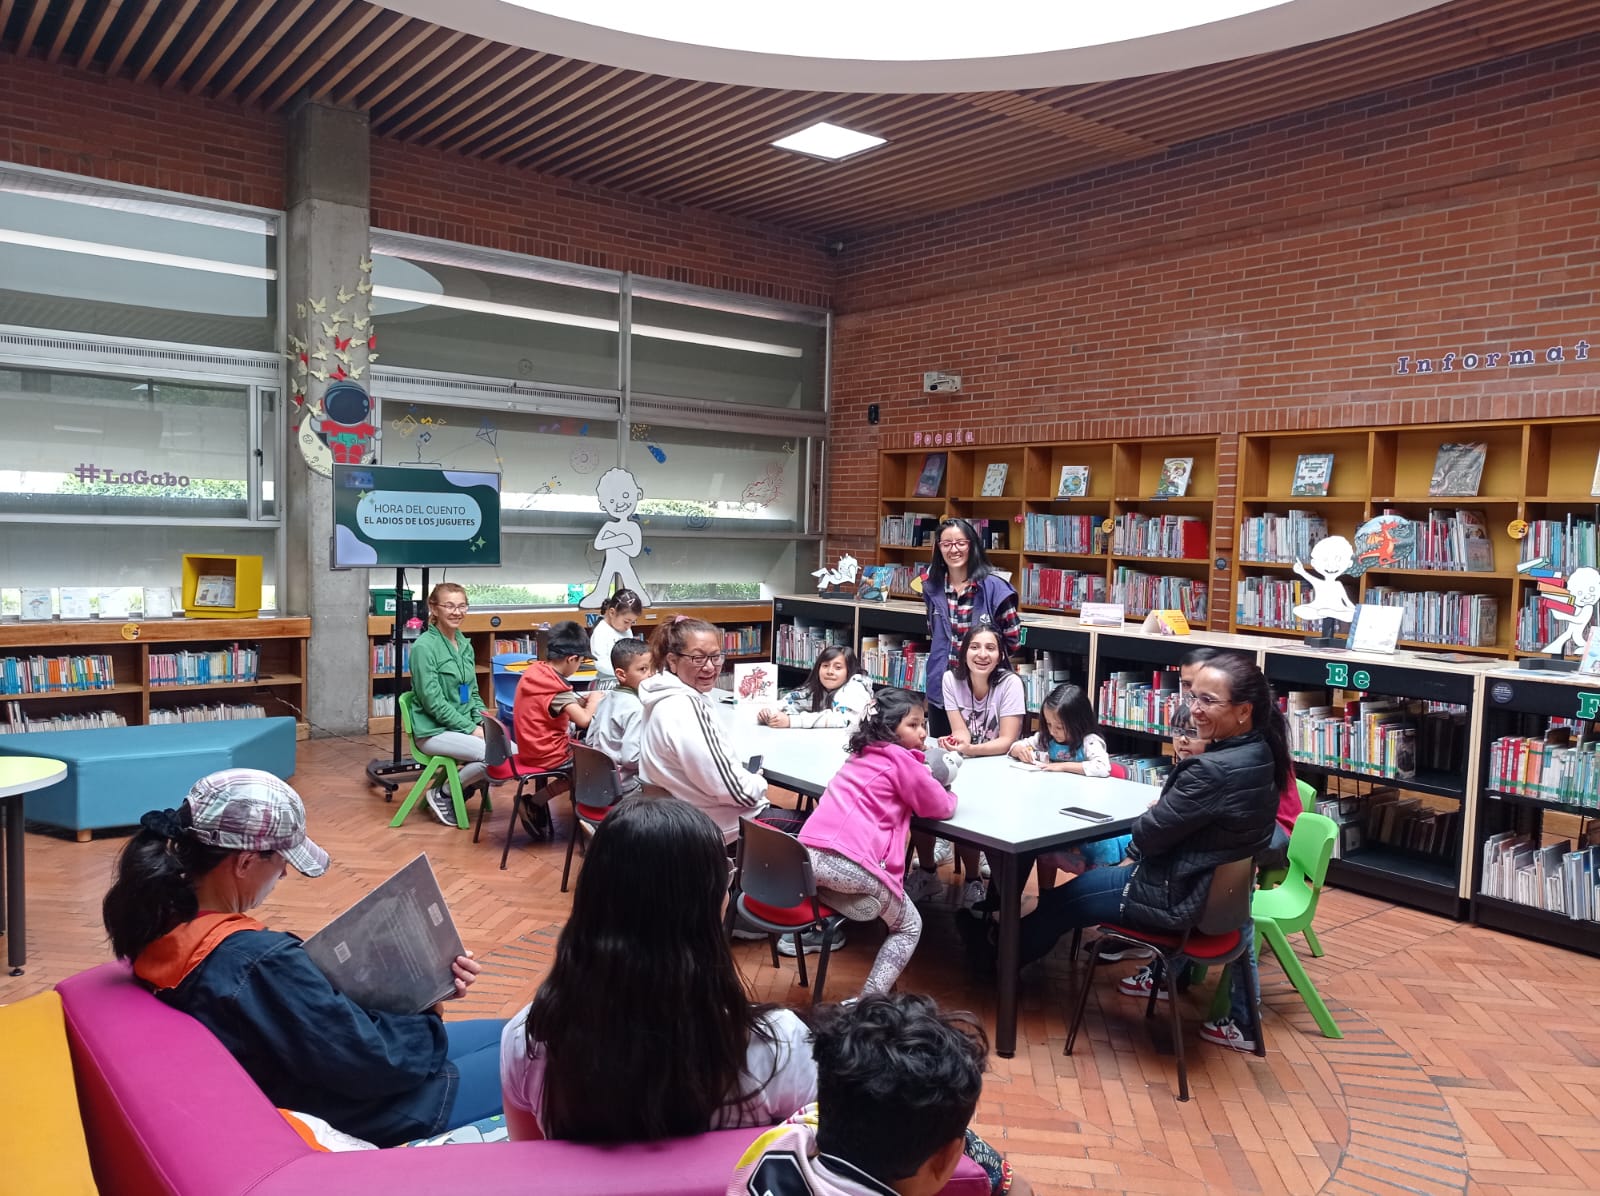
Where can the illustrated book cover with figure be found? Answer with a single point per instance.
(1457, 471)
(932, 476)
(1313, 472)
(1074, 482)
(1175, 472)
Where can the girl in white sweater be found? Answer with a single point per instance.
(834, 695)
(683, 751)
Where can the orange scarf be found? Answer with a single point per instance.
(165, 962)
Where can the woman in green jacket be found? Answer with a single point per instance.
(446, 710)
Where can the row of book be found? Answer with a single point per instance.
(741, 641)
(912, 529)
(1386, 819)
(1141, 593)
(1043, 673)
(383, 657)
(1269, 602)
(896, 660)
(901, 578)
(1561, 545)
(1455, 541)
(14, 721)
(233, 663)
(1537, 624)
(216, 713)
(1061, 589)
(55, 674)
(1151, 770)
(1552, 768)
(1139, 700)
(1552, 877)
(1270, 538)
(1375, 734)
(1173, 537)
(798, 644)
(1064, 533)
(1449, 617)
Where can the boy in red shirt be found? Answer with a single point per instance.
(545, 706)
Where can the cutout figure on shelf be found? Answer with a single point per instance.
(841, 577)
(1584, 586)
(619, 538)
(1330, 557)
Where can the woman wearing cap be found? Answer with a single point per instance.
(176, 911)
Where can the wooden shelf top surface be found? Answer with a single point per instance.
(57, 634)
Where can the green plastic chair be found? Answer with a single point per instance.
(431, 766)
(1290, 908)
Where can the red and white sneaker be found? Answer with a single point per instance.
(1224, 1032)
(1140, 983)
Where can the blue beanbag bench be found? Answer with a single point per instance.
(115, 774)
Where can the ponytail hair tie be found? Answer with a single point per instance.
(679, 618)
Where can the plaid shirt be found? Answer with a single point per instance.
(1006, 619)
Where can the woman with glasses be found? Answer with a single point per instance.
(1216, 806)
(961, 589)
(682, 750)
(446, 708)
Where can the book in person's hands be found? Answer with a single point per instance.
(394, 950)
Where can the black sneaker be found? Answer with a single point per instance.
(812, 941)
(438, 800)
(536, 819)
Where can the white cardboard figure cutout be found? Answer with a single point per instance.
(1584, 586)
(619, 538)
(842, 574)
(1330, 557)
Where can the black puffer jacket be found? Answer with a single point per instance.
(1215, 807)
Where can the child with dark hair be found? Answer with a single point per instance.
(618, 614)
(546, 707)
(897, 1083)
(857, 836)
(616, 724)
(834, 695)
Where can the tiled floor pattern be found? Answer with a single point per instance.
(1470, 1063)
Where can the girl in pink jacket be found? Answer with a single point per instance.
(857, 836)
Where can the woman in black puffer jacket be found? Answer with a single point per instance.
(1215, 807)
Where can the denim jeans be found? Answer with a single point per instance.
(474, 1047)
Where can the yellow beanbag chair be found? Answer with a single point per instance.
(41, 1130)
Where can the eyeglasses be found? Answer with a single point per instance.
(452, 608)
(699, 659)
(1209, 701)
(962, 543)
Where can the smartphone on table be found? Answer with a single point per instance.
(1085, 815)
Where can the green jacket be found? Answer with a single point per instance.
(438, 672)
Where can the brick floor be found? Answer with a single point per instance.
(1470, 1063)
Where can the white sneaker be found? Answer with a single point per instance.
(943, 852)
(972, 894)
(983, 865)
(922, 885)
(1225, 1032)
(811, 940)
(438, 800)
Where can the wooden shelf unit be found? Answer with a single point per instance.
(483, 627)
(1533, 469)
(1123, 475)
(280, 686)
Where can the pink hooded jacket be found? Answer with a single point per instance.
(865, 812)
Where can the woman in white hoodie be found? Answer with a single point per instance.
(683, 752)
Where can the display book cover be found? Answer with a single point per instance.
(394, 949)
(1457, 471)
(994, 480)
(932, 476)
(1074, 482)
(1174, 480)
(1312, 474)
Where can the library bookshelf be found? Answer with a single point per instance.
(139, 672)
(746, 626)
(1116, 541)
(1537, 472)
(1416, 839)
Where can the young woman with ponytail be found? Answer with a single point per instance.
(1215, 807)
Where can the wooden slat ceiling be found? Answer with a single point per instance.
(706, 144)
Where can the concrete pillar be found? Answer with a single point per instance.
(329, 187)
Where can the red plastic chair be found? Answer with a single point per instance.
(1214, 939)
(1119, 771)
(777, 892)
(533, 808)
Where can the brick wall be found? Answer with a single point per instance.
(1265, 278)
(80, 122)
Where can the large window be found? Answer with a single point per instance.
(551, 375)
(139, 387)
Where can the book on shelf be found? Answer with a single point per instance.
(1453, 541)
(217, 712)
(233, 663)
(1043, 673)
(1170, 537)
(158, 602)
(38, 604)
(1457, 471)
(898, 660)
(1594, 485)
(114, 603)
(1555, 767)
(873, 585)
(1373, 734)
(907, 579)
(798, 644)
(910, 529)
(1062, 589)
(1268, 603)
(1064, 533)
(1555, 547)
(1142, 593)
(1386, 541)
(1554, 877)
(77, 602)
(1451, 617)
(1074, 482)
(15, 720)
(22, 676)
(1313, 473)
(931, 477)
(1589, 664)
(994, 480)
(212, 589)
(1174, 480)
(1374, 628)
(1273, 539)
(1139, 699)
(394, 950)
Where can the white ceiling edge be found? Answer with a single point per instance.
(1294, 23)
